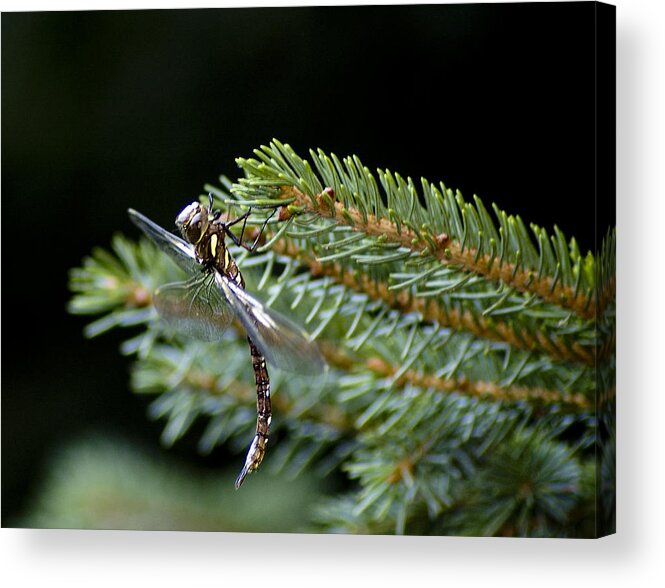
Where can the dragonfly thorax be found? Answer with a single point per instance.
(198, 227)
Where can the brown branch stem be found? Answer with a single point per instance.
(475, 388)
(479, 388)
(447, 251)
(432, 311)
(323, 413)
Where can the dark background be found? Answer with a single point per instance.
(106, 110)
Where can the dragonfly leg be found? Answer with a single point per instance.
(244, 224)
(236, 220)
(243, 217)
(251, 248)
(218, 213)
(263, 406)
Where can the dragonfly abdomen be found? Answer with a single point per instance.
(219, 257)
(264, 411)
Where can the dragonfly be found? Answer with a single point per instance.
(205, 305)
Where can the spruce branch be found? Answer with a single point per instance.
(527, 488)
(128, 293)
(448, 252)
(559, 347)
(210, 384)
(481, 389)
(461, 348)
(454, 232)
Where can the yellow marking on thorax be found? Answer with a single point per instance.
(227, 259)
(213, 245)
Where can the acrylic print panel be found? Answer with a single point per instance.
(411, 218)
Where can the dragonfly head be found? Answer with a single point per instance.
(193, 222)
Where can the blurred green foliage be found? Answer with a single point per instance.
(105, 483)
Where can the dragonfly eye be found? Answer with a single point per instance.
(187, 214)
(193, 222)
(196, 227)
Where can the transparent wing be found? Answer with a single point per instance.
(177, 249)
(283, 343)
(199, 309)
(195, 308)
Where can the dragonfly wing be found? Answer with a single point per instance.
(195, 308)
(176, 248)
(280, 340)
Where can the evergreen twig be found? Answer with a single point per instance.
(462, 349)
